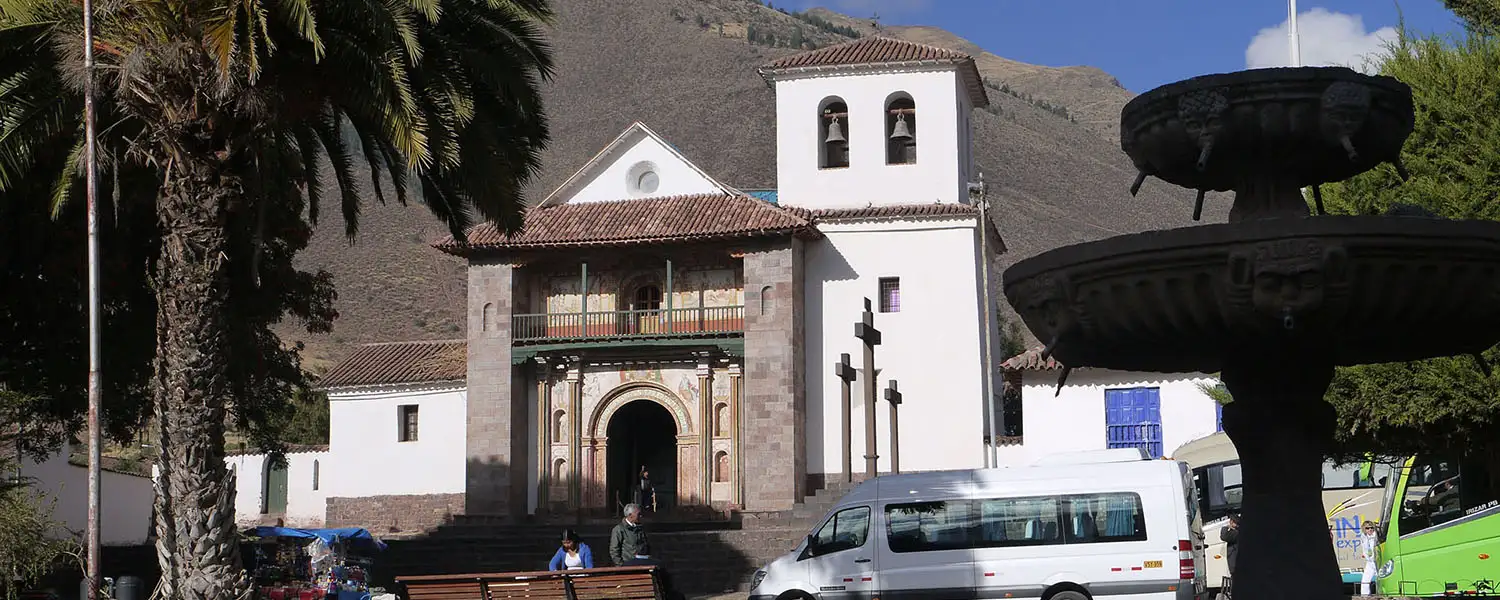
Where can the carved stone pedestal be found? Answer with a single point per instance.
(1282, 429)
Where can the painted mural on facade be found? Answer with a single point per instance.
(691, 289)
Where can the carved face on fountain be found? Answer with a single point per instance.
(1048, 297)
(1287, 281)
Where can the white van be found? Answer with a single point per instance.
(1101, 524)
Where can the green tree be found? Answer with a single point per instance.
(228, 109)
(1482, 16)
(32, 542)
(1453, 154)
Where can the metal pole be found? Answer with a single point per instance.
(90, 154)
(1291, 22)
(995, 418)
(865, 330)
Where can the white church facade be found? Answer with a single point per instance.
(650, 316)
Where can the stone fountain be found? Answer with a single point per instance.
(1277, 297)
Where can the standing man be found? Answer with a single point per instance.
(627, 543)
(628, 547)
(1231, 536)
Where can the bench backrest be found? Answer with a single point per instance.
(625, 583)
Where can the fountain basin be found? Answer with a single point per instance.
(1307, 125)
(1350, 289)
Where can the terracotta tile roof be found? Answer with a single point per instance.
(896, 211)
(646, 220)
(400, 362)
(868, 50)
(878, 50)
(290, 449)
(891, 211)
(1031, 360)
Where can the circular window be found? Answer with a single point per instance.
(642, 178)
(646, 183)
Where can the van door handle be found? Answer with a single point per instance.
(861, 560)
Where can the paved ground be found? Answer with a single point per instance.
(736, 596)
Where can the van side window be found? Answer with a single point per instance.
(1114, 517)
(928, 526)
(846, 530)
(1019, 522)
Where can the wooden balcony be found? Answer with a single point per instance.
(710, 321)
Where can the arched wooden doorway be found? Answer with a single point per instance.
(641, 434)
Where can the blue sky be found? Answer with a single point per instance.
(1146, 43)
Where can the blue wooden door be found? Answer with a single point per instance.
(1132, 419)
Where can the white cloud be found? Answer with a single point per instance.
(1328, 39)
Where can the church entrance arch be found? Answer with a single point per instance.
(638, 424)
(642, 434)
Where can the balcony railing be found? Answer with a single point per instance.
(677, 322)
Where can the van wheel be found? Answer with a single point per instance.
(795, 595)
(1068, 595)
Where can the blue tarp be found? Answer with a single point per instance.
(356, 538)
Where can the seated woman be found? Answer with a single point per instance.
(574, 554)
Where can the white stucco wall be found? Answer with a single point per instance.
(932, 347)
(368, 460)
(305, 506)
(940, 171)
(124, 500)
(1074, 420)
(613, 177)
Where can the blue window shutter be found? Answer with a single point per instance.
(1132, 418)
(1218, 416)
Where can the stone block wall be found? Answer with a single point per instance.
(774, 404)
(496, 456)
(385, 515)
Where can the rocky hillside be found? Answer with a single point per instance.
(687, 68)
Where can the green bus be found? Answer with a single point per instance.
(1440, 528)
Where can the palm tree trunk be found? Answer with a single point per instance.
(197, 544)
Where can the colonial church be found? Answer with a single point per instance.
(651, 316)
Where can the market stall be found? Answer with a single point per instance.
(312, 564)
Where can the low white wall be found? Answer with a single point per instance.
(1074, 420)
(369, 460)
(306, 494)
(125, 501)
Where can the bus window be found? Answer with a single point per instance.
(1441, 490)
(1220, 490)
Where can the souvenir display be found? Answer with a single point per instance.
(312, 564)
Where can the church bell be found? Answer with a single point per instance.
(835, 132)
(900, 131)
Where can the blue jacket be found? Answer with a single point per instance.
(583, 553)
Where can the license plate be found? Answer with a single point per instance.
(1153, 564)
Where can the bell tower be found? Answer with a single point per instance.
(873, 122)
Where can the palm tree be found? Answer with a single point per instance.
(230, 107)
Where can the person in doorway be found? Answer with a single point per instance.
(573, 554)
(628, 540)
(1369, 541)
(645, 494)
(1231, 536)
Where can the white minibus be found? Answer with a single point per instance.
(1081, 526)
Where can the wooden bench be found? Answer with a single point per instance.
(626, 583)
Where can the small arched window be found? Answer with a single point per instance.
(721, 420)
(315, 475)
(833, 134)
(647, 297)
(900, 130)
(559, 420)
(721, 467)
(559, 470)
(767, 300)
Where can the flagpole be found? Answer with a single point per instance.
(90, 155)
(1291, 9)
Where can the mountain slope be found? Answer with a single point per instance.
(686, 68)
